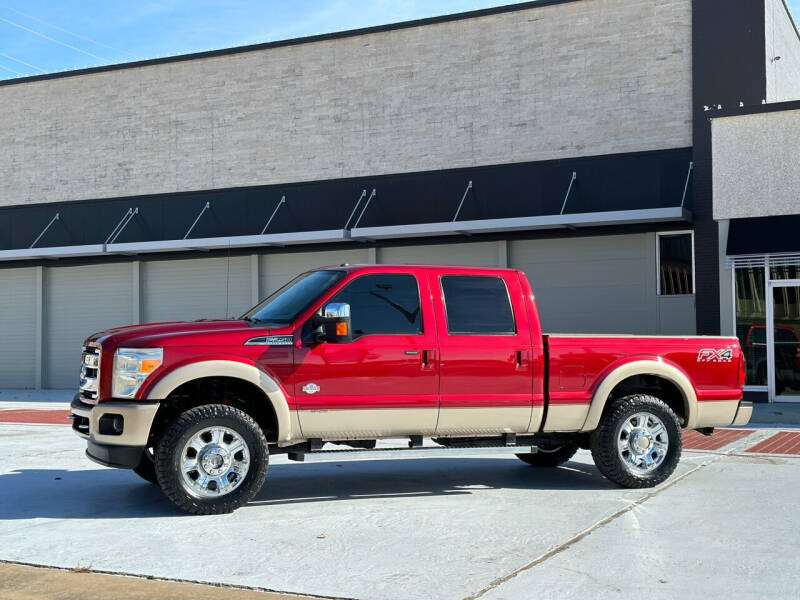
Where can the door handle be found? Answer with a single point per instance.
(428, 359)
(522, 357)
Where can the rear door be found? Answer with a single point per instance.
(384, 382)
(486, 374)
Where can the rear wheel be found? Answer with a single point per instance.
(212, 459)
(549, 456)
(638, 443)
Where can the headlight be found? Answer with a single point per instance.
(131, 368)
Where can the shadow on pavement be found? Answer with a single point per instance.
(114, 494)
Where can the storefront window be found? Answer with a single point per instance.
(675, 257)
(787, 272)
(751, 319)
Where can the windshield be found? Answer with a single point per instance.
(283, 306)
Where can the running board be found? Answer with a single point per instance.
(422, 451)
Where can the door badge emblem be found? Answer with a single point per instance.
(310, 388)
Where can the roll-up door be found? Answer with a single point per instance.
(600, 284)
(17, 328)
(479, 254)
(78, 302)
(277, 269)
(198, 288)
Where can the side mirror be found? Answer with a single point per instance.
(335, 321)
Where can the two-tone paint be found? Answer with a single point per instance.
(431, 383)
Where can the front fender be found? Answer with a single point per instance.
(171, 380)
(660, 368)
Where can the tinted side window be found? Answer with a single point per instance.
(477, 304)
(386, 304)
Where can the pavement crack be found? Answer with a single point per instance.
(582, 534)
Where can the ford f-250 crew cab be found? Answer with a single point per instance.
(356, 353)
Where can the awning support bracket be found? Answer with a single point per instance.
(205, 208)
(363, 210)
(569, 190)
(360, 198)
(46, 227)
(127, 218)
(463, 197)
(272, 216)
(686, 185)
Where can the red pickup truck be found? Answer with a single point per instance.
(356, 353)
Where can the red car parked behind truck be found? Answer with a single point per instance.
(356, 353)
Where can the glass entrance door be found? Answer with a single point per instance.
(784, 340)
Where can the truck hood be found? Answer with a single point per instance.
(230, 332)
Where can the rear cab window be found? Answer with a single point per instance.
(477, 305)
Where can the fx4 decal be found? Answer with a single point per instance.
(715, 355)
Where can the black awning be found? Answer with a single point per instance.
(552, 189)
(764, 235)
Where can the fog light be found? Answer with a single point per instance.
(111, 424)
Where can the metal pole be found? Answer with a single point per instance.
(363, 210)
(205, 208)
(122, 225)
(463, 197)
(38, 237)
(363, 193)
(569, 189)
(272, 216)
(686, 185)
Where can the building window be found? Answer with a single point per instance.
(751, 321)
(675, 263)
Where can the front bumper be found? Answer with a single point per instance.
(116, 432)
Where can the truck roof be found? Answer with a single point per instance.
(357, 266)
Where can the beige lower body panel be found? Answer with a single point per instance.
(717, 413)
(137, 417)
(566, 417)
(484, 420)
(397, 422)
(743, 414)
(371, 423)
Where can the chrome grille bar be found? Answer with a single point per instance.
(89, 385)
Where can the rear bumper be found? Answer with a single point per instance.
(116, 432)
(743, 413)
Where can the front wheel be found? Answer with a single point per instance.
(638, 443)
(146, 469)
(549, 456)
(212, 459)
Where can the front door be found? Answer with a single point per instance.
(784, 341)
(384, 382)
(486, 384)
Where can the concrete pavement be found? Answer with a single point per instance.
(458, 525)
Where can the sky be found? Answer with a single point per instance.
(40, 36)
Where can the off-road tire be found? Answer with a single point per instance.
(604, 441)
(146, 469)
(182, 429)
(549, 457)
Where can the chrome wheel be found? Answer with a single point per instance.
(214, 462)
(642, 442)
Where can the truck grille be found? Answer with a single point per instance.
(90, 374)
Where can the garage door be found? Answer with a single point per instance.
(277, 269)
(601, 284)
(198, 288)
(78, 302)
(17, 328)
(481, 254)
